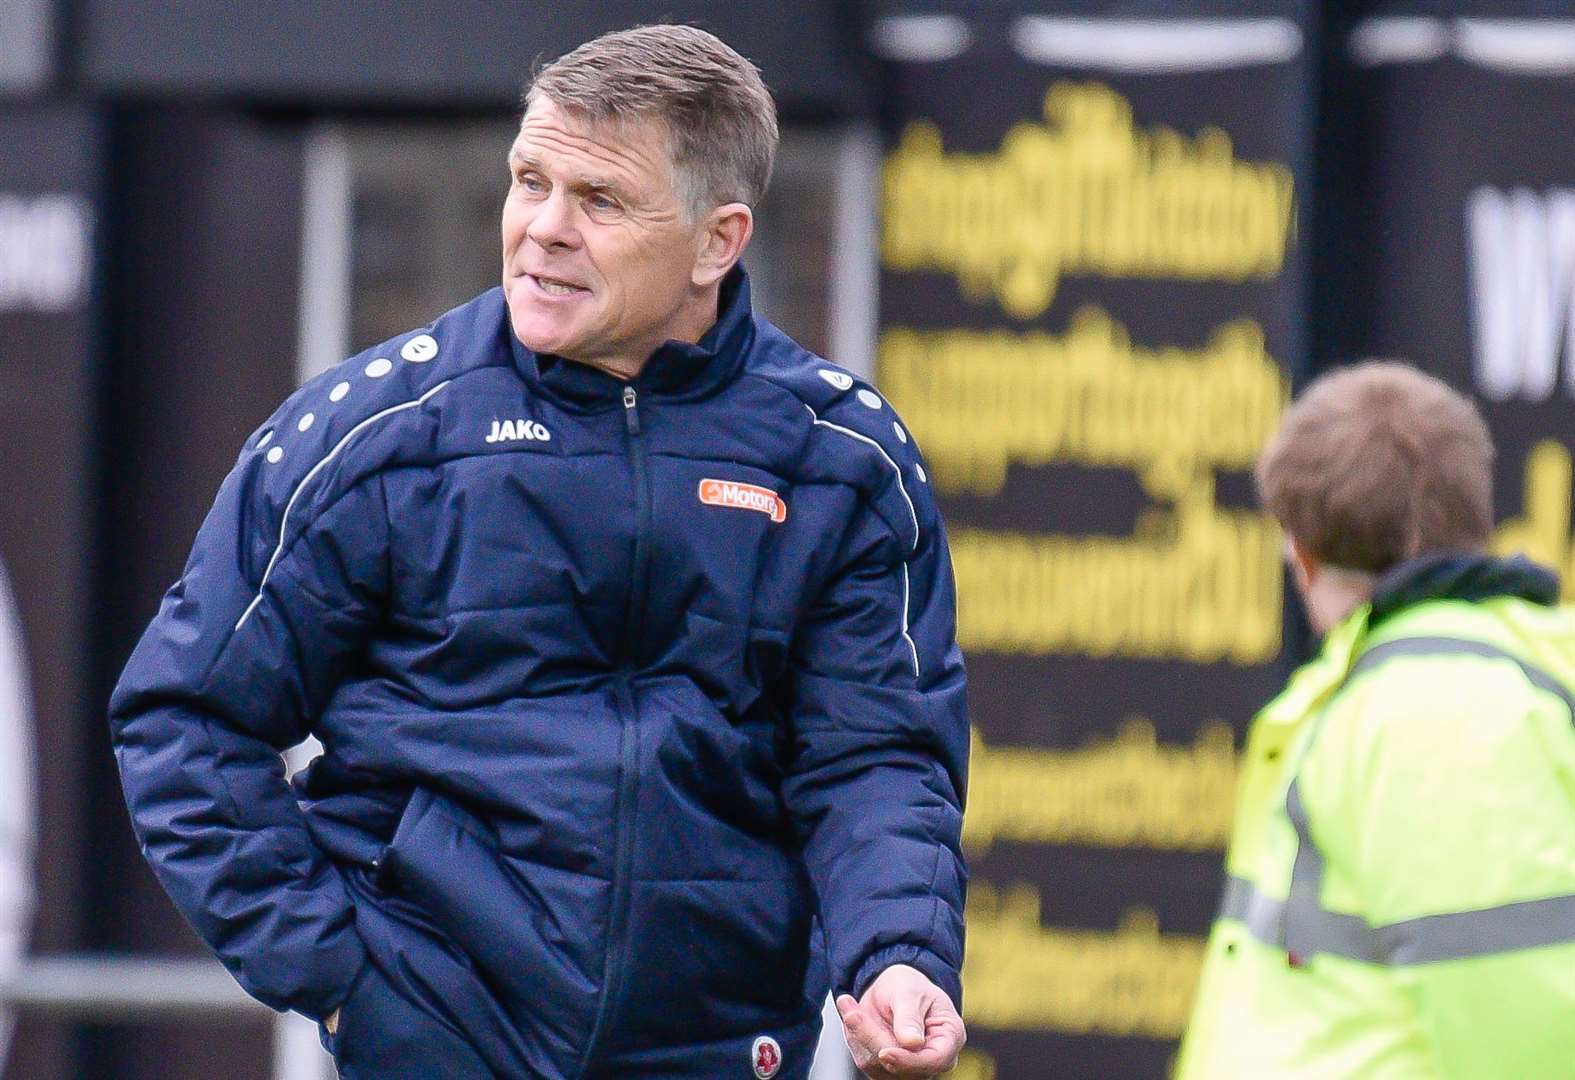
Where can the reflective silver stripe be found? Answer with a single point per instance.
(1448, 646)
(1456, 935)
(1300, 929)
(1303, 927)
(1263, 915)
(1459, 934)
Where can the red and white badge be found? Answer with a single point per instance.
(739, 496)
(766, 1057)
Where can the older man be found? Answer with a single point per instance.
(1401, 901)
(626, 625)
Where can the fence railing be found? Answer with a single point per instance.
(111, 989)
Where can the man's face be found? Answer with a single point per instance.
(597, 254)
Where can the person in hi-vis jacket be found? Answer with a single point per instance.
(626, 625)
(1400, 898)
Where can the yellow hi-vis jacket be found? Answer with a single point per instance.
(1400, 897)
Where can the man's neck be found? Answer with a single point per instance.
(624, 369)
(1337, 593)
(693, 321)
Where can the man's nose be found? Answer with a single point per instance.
(553, 224)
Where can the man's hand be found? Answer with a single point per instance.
(331, 1022)
(905, 1026)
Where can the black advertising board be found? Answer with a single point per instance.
(48, 173)
(1091, 300)
(457, 53)
(1468, 242)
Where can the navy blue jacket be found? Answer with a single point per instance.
(642, 713)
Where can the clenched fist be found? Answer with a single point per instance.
(904, 1026)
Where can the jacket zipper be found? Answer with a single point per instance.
(642, 529)
(613, 971)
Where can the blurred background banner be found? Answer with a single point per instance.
(28, 55)
(1467, 234)
(1091, 299)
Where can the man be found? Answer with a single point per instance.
(1401, 890)
(627, 627)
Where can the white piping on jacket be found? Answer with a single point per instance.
(895, 468)
(912, 648)
(284, 519)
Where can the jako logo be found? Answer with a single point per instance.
(1522, 246)
(743, 497)
(518, 431)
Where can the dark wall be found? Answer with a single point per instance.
(453, 52)
(49, 177)
(200, 299)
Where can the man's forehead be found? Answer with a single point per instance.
(639, 142)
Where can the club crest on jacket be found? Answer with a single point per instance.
(766, 1057)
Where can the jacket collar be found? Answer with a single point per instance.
(1461, 576)
(1439, 576)
(676, 371)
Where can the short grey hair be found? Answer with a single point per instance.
(720, 119)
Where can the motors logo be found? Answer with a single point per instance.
(766, 1057)
(743, 497)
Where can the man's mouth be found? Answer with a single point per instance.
(555, 286)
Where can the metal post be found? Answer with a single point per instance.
(147, 989)
(297, 1051)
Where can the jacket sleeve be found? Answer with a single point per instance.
(881, 747)
(1444, 798)
(230, 672)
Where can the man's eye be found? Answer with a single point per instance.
(602, 202)
(528, 181)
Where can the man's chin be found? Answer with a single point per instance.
(540, 339)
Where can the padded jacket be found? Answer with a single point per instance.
(641, 709)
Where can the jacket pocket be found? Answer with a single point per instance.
(529, 929)
(715, 958)
(349, 1006)
(383, 1036)
(441, 858)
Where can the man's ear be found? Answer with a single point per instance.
(1304, 563)
(725, 234)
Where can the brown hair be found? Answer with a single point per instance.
(718, 113)
(1378, 463)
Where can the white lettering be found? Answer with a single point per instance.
(518, 431)
(1522, 249)
(44, 252)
